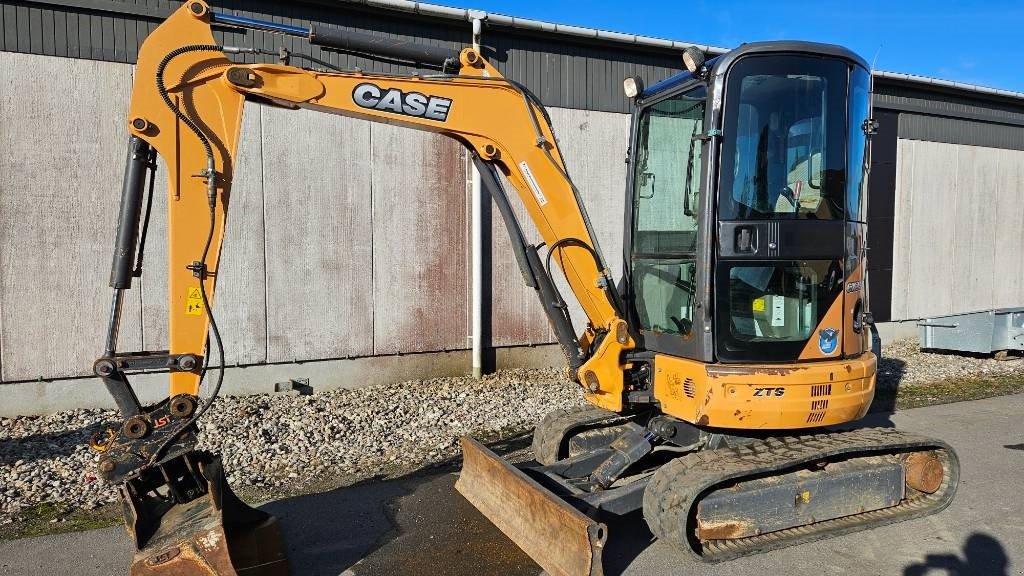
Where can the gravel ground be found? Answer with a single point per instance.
(904, 363)
(311, 442)
(328, 439)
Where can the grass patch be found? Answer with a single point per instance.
(952, 390)
(58, 517)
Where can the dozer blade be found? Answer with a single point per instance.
(560, 538)
(214, 534)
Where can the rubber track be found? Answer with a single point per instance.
(550, 434)
(674, 490)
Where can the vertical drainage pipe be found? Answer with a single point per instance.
(477, 242)
(477, 203)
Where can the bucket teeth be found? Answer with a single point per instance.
(213, 534)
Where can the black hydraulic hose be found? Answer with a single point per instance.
(533, 103)
(217, 339)
(609, 293)
(200, 271)
(145, 220)
(315, 60)
(162, 89)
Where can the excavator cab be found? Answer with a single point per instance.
(745, 237)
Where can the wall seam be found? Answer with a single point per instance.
(266, 268)
(908, 240)
(1, 299)
(467, 238)
(951, 262)
(2, 179)
(373, 242)
(142, 281)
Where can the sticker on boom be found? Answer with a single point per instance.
(413, 104)
(194, 302)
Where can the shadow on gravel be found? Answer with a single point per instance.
(50, 445)
(983, 556)
(890, 374)
(413, 524)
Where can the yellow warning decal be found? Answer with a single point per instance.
(758, 305)
(194, 302)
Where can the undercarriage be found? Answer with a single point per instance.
(714, 495)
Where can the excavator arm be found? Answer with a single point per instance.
(186, 106)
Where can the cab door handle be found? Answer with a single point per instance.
(746, 240)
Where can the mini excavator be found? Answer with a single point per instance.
(716, 372)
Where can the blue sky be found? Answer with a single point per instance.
(980, 42)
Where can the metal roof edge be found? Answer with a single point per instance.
(939, 83)
(468, 15)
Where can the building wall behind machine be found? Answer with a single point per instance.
(564, 73)
(355, 246)
(946, 202)
(346, 257)
(957, 241)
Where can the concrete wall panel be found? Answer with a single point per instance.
(239, 304)
(902, 208)
(318, 233)
(953, 249)
(926, 252)
(420, 243)
(1008, 250)
(973, 236)
(516, 314)
(594, 146)
(61, 163)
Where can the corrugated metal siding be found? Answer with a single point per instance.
(881, 213)
(569, 74)
(916, 99)
(957, 131)
(939, 107)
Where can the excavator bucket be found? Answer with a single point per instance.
(560, 538)
(213, 534)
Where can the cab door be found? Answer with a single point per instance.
(781, 233)
(665, 227)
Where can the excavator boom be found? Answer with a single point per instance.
(186, 106)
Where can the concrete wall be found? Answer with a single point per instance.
(348, 239)
(345, 238)
(959, 214)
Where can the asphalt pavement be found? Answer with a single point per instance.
(420, 525)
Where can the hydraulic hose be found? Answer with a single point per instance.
(200, 269)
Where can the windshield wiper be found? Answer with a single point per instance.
(689, 171)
